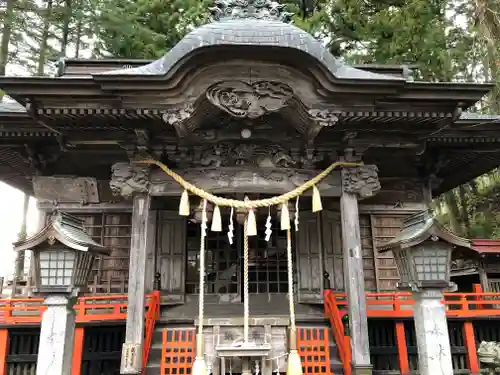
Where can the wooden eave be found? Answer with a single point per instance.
(77, 240)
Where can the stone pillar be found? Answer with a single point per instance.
(431, 327)
(359, 182)
(56, 336)
(132, 181)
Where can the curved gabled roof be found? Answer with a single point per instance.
(68, 230)
(257, 23)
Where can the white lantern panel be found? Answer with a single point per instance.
(431, 264)
(56, 268)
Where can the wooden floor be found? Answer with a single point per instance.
(277, 307)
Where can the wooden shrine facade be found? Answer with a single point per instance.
(245, 106)
(175, 245)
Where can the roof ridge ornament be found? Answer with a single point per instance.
(243, 9)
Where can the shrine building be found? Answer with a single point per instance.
(247, 107)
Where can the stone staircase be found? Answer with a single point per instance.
(184, 339)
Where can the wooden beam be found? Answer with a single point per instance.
(124, 206)
(131, 362)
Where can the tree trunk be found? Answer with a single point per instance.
(454, 211)
(19, 269)
(463, 209)
(493, 57)
(78, 40)
(42, 58)
(6, 34)
(68, 13)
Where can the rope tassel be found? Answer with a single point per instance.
(216, 220)
(316, 200)
(285, 217)
(184, 204)
(252, 223)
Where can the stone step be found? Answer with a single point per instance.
(153, 367)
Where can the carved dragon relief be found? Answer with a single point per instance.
(227, 167)
(229, 154)
(362, 181)
(127, 179)
(244, 100)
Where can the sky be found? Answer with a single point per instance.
(11, 203)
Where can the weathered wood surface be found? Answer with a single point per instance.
(353, 266)
(134, 334)
(244, 180)
(309, 259)
(171, 256)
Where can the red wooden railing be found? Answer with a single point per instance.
(334, 315)
(87, 309)
(400, 305)
(152, 316)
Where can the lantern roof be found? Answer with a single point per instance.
(419, 228)
(68, 230)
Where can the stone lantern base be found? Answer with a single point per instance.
(56, 336)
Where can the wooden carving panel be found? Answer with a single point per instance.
(384, 228)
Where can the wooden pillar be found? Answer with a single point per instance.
(4, 350)
(357, 183)
(404, 366)
(483, 277)
(131, 362)
(76, 367)
(471, 349)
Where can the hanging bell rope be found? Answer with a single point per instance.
(225, 202)
(294, 365)
(246, 302)
(199, 365)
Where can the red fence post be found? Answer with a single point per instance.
(470, 347)
(404, 366)
(4, 350)
(76, 364)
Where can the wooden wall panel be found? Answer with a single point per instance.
(368, 253)
(309, 259)
(332, 248)
(110, 273)
(171, 256)
(379, 269)
(385, 227)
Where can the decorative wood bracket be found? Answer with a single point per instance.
(362, 181)
(177, 117)
(321, 118)
(127, 179)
